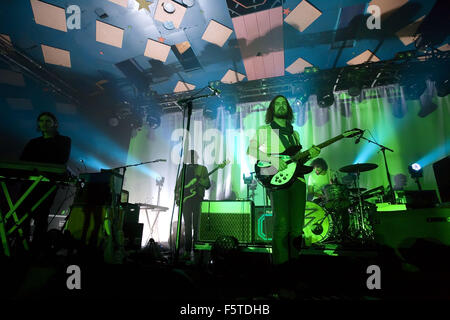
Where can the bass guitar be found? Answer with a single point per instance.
(273, 179)
(190, 189)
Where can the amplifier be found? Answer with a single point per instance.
(226, 218)
(132, 229)
(263, 224)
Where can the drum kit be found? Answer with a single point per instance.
(343, 215)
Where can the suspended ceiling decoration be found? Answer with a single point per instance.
(168, 46)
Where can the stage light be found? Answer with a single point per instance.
(415, 170)
(355, 90)
(405, 54)
(154, 121)
(309, 70)
(325, 99)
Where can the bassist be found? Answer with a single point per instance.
(197, 181)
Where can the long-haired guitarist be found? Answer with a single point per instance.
(197, 181)
(288, 205)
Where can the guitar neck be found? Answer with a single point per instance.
(305, 154)
(213, 170)
(331, 141)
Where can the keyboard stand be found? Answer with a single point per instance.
(12, 212)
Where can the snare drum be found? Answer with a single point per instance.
(318, 224)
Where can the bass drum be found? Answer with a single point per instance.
(318, 223)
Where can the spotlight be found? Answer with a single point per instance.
(416, 172)
(325, 99)
(301, 96)
(355, 90)
(154, 121)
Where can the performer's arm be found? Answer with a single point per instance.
(255, 143)
(204, 178)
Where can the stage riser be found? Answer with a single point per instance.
(400, 229)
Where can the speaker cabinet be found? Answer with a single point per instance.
(226, 218)
(263, 224)
(132, 229)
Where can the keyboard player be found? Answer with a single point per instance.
(50, 147)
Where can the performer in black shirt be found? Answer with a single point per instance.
(51, 147)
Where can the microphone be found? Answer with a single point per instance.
(359, 137)
(215, 90)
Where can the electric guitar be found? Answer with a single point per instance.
(273, 179)
(190, 189)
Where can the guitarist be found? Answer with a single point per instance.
(197, 180)
(288, 205)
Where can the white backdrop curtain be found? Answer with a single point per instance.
(417, 131)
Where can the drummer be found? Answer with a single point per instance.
(319, 178)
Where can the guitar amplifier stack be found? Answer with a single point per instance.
(226, 218)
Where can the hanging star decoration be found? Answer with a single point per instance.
(143, 4)
(286, 11)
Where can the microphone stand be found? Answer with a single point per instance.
(383, 149)
(185, 104)
(116, 219)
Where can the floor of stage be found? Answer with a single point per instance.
(328, 272)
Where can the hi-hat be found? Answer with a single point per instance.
(359, 167)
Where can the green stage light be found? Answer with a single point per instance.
(405, 55)
(309, 70)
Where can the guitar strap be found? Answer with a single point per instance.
(286, 136)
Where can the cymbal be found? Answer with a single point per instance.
(359, 167)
